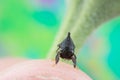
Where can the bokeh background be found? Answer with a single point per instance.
(28, 28)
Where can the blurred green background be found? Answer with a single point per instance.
(28, 28)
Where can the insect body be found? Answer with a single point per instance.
(66, 50)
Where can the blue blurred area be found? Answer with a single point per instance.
(99, 57)
(114, 55)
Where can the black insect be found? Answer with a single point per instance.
(66, 50)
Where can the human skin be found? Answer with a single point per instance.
(8, 62)
(41, 70)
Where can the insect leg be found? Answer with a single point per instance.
(57, 49)
(74, 60)
(57, 57)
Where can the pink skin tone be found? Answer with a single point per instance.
(7, 62)
(20, 69)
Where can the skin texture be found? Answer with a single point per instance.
(41, 70)
(8, 62)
